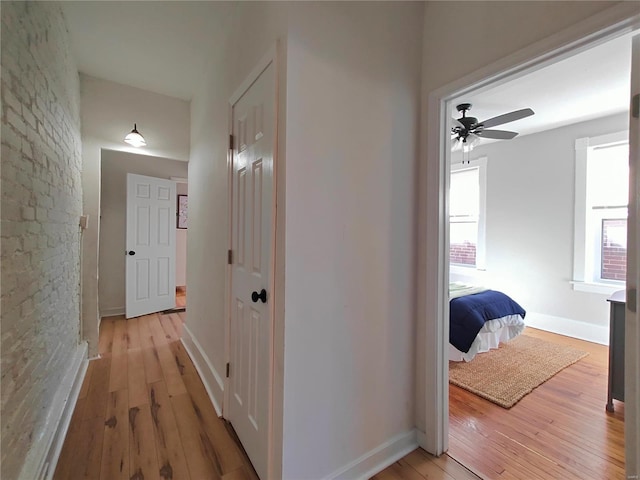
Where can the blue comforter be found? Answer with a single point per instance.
(468, 314)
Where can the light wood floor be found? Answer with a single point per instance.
(560, 431)
(143, 412)
(181, 297)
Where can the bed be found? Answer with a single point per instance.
(479, 319)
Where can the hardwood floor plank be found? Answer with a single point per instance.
(158, 334)
(115, 448)
(427, 467)
(201, 456)
(181, 357)
(152, 368)
(242, 473)
(98, 394)
(137, 387)
(84, 389)
(88, 450)
(169, 329)
(105, 340)
(144, 330)
(68, 452)
(171, 458)
(404, 470)
(143, 460)
(170, 371)
(133, 334)
(120, 336)
(452, 467)
(178, 321)
(118, 379)
(229, 456)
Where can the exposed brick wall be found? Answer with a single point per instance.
(41, 205)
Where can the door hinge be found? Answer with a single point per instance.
(230, 257)
(228, 367)
(230, 142)
(635, 106)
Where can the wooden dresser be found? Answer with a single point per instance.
(616, 348)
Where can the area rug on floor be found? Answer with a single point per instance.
(505, 375)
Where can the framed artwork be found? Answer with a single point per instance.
(182, 213)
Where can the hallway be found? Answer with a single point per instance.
(143, 412)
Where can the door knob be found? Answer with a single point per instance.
(131, 252)
(255, 296)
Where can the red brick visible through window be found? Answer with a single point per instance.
(614, 256)
(462, 253)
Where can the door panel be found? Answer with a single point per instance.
(252, 183)
(151, 253)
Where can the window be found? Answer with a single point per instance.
(466, 215)
(602, 195)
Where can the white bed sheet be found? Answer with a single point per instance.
(491, 334)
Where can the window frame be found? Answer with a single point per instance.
(584, 254)
(480, 266)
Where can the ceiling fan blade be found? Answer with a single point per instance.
(456, 123)
(498, 134)
(507, 117)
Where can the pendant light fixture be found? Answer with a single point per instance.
(134, 138)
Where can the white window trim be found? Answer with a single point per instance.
(481, 247)
(582, 276)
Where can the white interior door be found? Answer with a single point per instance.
(250, 333)
(632, 321)
(150, 245)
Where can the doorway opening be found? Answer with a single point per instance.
(441, 104)
(115, 166)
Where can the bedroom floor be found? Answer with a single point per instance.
(560, 430)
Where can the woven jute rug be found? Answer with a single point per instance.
(508, 373)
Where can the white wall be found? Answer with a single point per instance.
(500, 29)
(530, 221)
(181, 242)
(352, 132)
(351, 92)
(41, 207)
(108, 111)
(113, 208)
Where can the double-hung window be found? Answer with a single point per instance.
(467, 214)
(602, 195)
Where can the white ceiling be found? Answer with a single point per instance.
(588, 85)
(160, 46)
(163, 47)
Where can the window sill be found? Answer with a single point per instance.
(601, 288)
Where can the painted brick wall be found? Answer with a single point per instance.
(41, 205)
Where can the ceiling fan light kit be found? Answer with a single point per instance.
(467, 131)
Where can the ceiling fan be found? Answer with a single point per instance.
(467, 131)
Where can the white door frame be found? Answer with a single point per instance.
(434, 278)
(271, 57)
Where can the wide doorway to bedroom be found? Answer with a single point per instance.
(537, 202)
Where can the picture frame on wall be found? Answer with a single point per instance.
(182, 213)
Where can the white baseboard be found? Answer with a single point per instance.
(569, 327)
(378, 459)
(213, 382)
(112, 312)
(42, 458)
